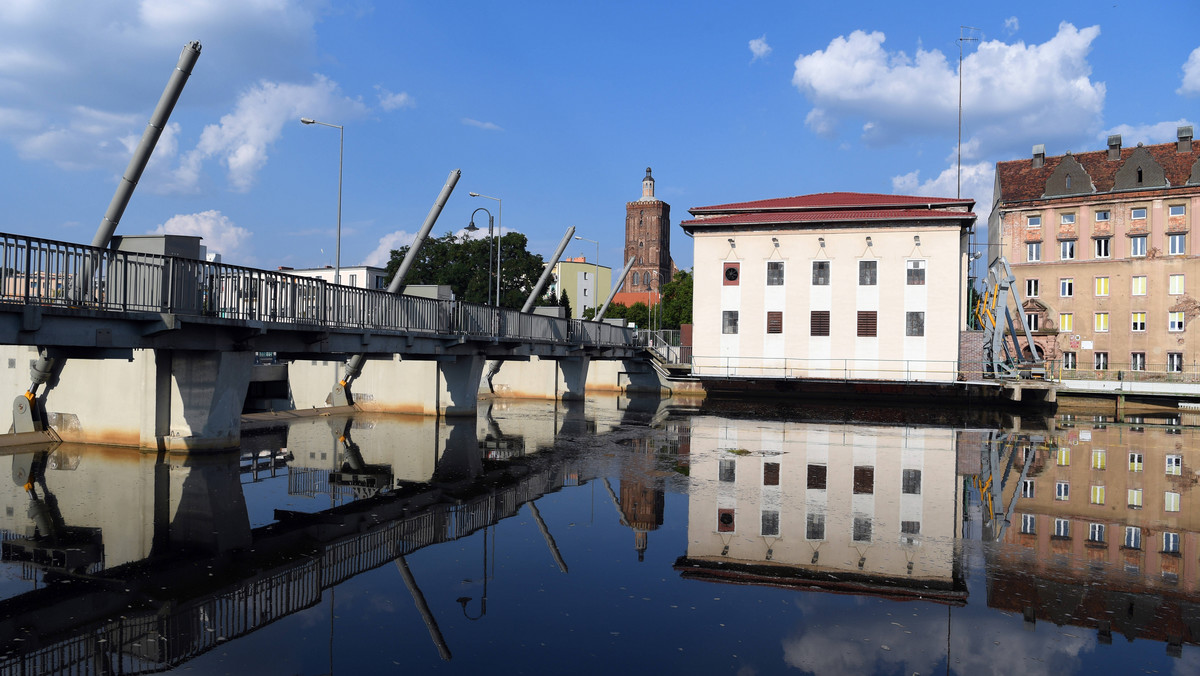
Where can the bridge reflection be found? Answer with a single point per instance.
(181, 569)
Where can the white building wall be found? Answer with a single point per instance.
(891, 355)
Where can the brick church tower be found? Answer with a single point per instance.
(648, 241)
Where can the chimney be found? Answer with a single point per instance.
(1185, 139)
(1114, 147)
(1039, 156)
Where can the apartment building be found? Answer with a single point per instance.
(1101, 246)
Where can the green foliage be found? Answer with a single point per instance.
(462, 263)
(638, 313)
(677, 301)
(565, 301)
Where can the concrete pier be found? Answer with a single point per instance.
(155, 399)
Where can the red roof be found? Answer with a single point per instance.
(1020, 180)
(832, 207)
(857, 216)
(835, 200)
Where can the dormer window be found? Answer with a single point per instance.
(1139, 175)
(1068, 181)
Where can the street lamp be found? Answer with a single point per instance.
(596, 275)
(337, 262)
(499, 234)
(650, 294)
(472, 228)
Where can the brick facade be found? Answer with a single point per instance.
(648, 241)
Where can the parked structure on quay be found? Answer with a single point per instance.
(832, 285)
(1101, 246)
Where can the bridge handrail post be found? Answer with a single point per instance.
(28, 262)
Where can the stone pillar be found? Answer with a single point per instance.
(572, 377)
(458, 381)
(207, 390)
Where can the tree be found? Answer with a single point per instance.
(638, 314)
(462, 263)
(677, 301)
(565, 301)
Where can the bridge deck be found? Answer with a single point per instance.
(90, 300)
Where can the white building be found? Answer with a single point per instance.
(357, 276)
(832, 285)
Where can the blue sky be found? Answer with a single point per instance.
(557, 108)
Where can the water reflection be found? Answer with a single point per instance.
(824, 540)
(866, 509)
(1101, 528)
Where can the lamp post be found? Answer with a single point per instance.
(499, 234)
(595, 276)
(337, 261)
(649, 303)
(472, 228)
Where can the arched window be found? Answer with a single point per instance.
(635, 279)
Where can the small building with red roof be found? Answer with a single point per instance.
(838, 285)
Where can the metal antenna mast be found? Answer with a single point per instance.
(965, 34)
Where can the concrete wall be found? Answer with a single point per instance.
(176, 400)
(445, 387)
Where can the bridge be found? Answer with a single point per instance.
(156, 351)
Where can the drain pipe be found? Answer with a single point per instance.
(341, 395)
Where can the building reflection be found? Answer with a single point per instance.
(864, 509)
(1104, 531)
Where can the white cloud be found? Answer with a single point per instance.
(1190, 85)
(759, 48)
(383, 252)
(490, 126)
(978, 183)
(1012, 25)
(1158, 132)
(1004, 89)
(243, 138)
(915, 644)
(219, 233)
(92, 71)
(86, 139)
(390, 101)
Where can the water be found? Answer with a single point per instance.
(633, 535)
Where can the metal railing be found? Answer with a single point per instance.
(666, 345)
(1138, 372)
(36, 271)
(942, 370)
